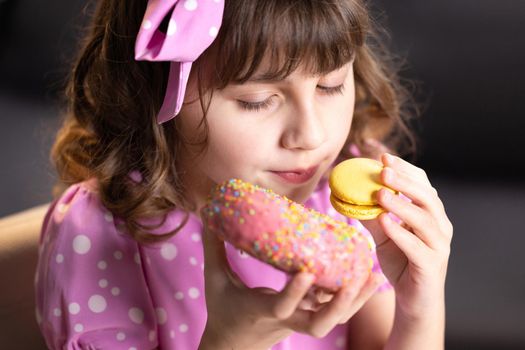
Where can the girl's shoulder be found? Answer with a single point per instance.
(79, 207)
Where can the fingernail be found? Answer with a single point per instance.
(389, 173)
(389, 158)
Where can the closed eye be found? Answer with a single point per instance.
(265, 104)
(332, 90)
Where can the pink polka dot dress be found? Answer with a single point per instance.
(97, 288)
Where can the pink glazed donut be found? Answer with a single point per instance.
(289, 236)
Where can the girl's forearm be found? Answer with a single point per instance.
(426, 331)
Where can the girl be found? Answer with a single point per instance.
(270, 91)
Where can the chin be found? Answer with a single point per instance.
(299, 195)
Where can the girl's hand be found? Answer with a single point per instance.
(257, 318)
(413, 253)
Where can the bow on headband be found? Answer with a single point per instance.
(192, 27)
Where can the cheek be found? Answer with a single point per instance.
(232, 150)
(339, 128)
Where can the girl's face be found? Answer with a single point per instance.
(282, 135)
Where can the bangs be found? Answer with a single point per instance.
(317, 35)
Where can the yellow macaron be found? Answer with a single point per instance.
(353, 184)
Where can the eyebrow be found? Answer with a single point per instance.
(265, 78)
(268, 78)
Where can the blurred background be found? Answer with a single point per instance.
(465, 58)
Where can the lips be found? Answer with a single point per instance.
(297, 176)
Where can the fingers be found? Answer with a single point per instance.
(282, 305)
(339, 310)
(405, 240)
(426, 210)
(370, 287)
(402, 165)
(420, 193)
(415, 217)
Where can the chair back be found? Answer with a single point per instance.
(19, 235)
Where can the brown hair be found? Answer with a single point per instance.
(110, 126)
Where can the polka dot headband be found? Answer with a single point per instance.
(192, 27)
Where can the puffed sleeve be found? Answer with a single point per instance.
(91, 292)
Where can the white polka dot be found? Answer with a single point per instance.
(147, 24)
(340, 342)
(62, 208)
(162, 316)
(152, 336)
(195, 237)
(172, 27)
(193, 261)
(132, 348)
(172, 334)
(73, 308)
(213, 32)
(115, 291)
(81, 244)
(183, 328)
(97, 303)
(57, 312)
(242, 254)
(136, 315)
(79, 327)
(59, 258)
(121, 336)
(190, 5)
(168, 251)
(103, 283)
(109, 217)
(179, 295)
(193, 293)
(136, 257)
(118, 255)
(102, 265)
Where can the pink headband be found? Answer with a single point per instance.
(192, 27)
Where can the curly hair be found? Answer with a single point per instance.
(110, 130)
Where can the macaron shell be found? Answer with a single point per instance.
(359, 212)
(356, 180)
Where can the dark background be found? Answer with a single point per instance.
(466, 59)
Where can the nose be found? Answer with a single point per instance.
(304, 128)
